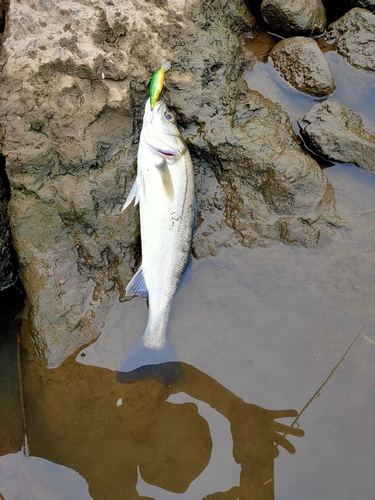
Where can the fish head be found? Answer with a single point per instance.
(160, 131)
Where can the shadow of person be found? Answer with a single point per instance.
(83, 418)
(256, 434)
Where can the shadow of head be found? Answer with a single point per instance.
(181, 449)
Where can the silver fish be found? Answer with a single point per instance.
(164, 188)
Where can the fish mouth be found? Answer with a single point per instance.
(167, 152)
(155, 109)
(157, 105)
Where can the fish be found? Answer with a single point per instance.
(164, 188)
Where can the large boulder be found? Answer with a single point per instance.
(74, 85)
(262, 186)
(294, 17)
(337, 133)
(301, 63)
(353, 37)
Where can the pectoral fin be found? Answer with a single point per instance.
(134, 194)
(166, 178)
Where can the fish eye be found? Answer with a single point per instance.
(170, 116)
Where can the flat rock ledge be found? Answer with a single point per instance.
(301, 63)
(337, 133)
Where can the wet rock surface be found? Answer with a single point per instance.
(294, 17)
(7, 256)
(74, 84)
(337, 133)
(262, 185)
(353, 37)
(364, 4)
(300, 62)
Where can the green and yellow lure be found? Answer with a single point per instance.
(157, 82)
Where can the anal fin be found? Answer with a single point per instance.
(137, 285)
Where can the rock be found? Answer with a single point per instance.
(290, 199)
(301, 63)
(294, 17)
(337, 133)
(7, 256)
(70, 146)
(74, 83)
(353, 37)
(364, 4)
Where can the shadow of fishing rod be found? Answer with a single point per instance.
(317, 392)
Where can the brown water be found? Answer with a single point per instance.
(267, 325)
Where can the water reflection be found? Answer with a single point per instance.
(107, 430)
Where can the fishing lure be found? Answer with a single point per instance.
(157, 82)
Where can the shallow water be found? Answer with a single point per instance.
(355, 89)
(267, 324)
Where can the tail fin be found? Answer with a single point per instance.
(145, 362)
